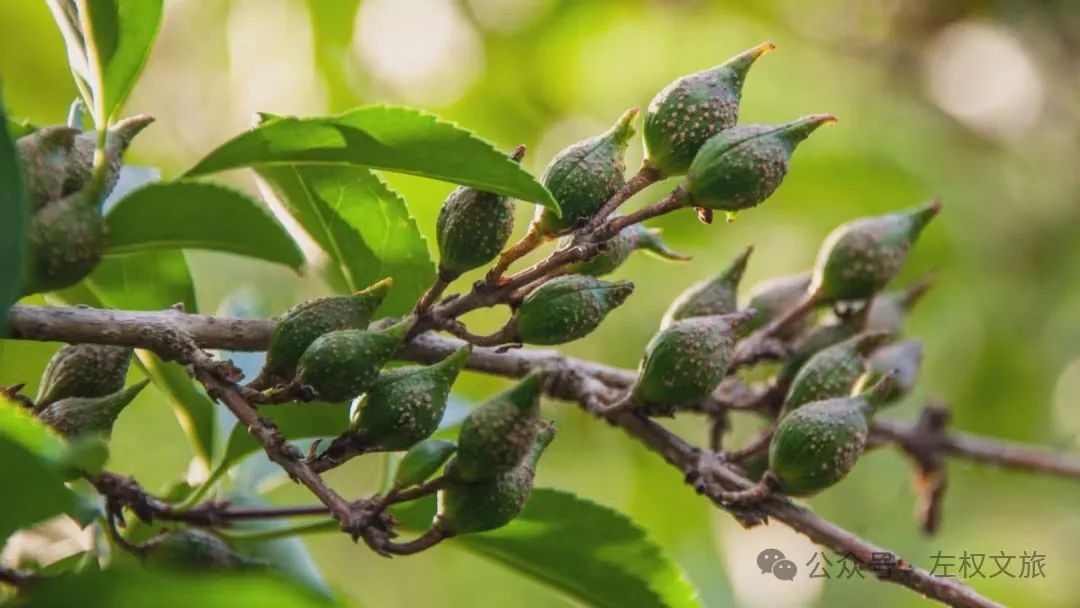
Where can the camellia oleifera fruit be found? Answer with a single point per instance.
(903, 360)
(422, 461)
(772, 297)
(466, 507)
(75, 416)
(833, 371)
(618, 249)
(889, 310)
(741, 167)
(715, 296)
(342, 364)
(195, 549)
(84, 370)
(567, 308)
(499, 433)
(692, 109)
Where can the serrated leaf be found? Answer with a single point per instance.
(397, 139)
(594, 554)
(107, 46)
(199, 215)
(154, 280)
(363, 226)
(14, 219)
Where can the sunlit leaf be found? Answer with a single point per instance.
(199, 215)
(397, 139)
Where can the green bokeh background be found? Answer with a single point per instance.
(1001, 326)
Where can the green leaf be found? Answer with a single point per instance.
(163, 589)
(290, 556)
(107, 46)
(199, 215)
(32, 484)
(154, 280)
(594, 554)
(397, 139)
(295, 421)
(362, 225)
(14, 219)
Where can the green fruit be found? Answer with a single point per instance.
(342, 364)
(692, 109)
(815, 340)
(903, 360)
(567, 308)
(860, 257)
(84, 370)
(304, 323)
(473, 227)
(889, 310)
(192, 548)
(582, 177)
(422, 461)
(833, 371)
(486, 505)
(772, 297)
(405, 405)
(59, 160)
(499, 433)
(618, 249)
(684, 362)
(66, 241)
(818, 444)
(715, 296)
(75, 416)
(742, 166)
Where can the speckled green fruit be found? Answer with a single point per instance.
(684, 362)
(860, 257)
(58, 160)
(304, 323)
(774, 296)
(499, 433)
(618, 249)
(567, 308)
(422, 461)
(715, 296)
(76, 416)
(833, 371)
(195, 549)
(692, 109)
(405, 405)
(742, 166)
(582, 177)
(818, 444)
(84, 370)
(473, 227)
(889, 310)
(486, 505)
(903, 360)
(66, 241)
(815, 340)
(342, 364)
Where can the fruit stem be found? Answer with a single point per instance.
(442, 281)
(427, 540)
(507, 334)
(532, 239)
(645, 177)
(676, 199)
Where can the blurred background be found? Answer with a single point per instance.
(975, 101)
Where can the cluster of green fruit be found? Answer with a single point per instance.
(67, 230)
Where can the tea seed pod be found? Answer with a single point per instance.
(75, 416)
(342, 364)
(67, 238)
(742, 166)
(817, 339)
(422, 461)
(192, 548)
(294, 332)
(618, 249)
(684, 362)
(499, 433)
(473, 227)
(692, 109)
(833, 371)
(58, 160)
(889, 310)
(903, 360)
(84, 370)
(567, 308)
(486, 505)
(860, 257)
(818, 444)
(772, 297)
(405, 405)
(715, 296)
(582, 177)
